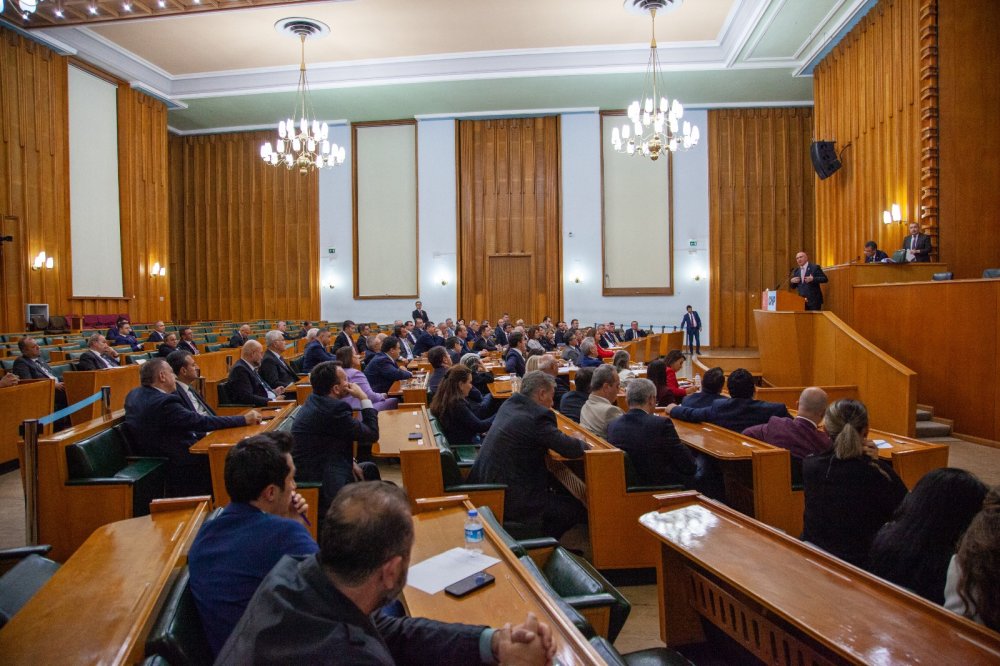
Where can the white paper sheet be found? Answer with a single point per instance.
(882, 444)
(438, 572)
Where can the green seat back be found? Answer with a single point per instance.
(100, 456)
(178, 635)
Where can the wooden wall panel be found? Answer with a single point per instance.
(969, 61)
(760, 210)
(244, 236)
(876, 91)
(508, 172)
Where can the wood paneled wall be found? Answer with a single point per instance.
(877, 92)
(969, 101)
(509, 257)
(244, 236)
(34, 189)
(760, 210)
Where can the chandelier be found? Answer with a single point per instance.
(303, 142)
(655, 123)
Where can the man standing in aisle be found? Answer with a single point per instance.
(692, 324)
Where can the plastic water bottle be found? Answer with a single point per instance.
(697, 382)
(474, 533)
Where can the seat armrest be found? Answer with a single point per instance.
(540, 542)
(600, 599)
(651, 489)
(463, 487)
(23, 551)
(101, 481)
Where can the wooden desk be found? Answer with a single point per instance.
(500, 389)
(788, 602)
(82, 384)
(839, 291)
(413, 391)
(274, 416)
(99, 607)
(29, 399)
(911, 458)
(514, 594)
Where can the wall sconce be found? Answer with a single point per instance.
(894, 214)
(41, 261)
(158, 271)
(697, 277)
(330, 285)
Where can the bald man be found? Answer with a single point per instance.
(240, 337)
(245, 386)
(800, 435)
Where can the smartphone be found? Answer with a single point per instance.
(470, 584)
(415, 435)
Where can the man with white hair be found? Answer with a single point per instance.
(159, 333)
(273, 367)
(245, 386)
(99, 355)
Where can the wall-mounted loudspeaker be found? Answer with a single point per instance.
(824, 158)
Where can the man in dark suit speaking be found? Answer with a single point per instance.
(917, 245)
(807, 278)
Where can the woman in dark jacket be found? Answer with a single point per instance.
(850, 493)
(451, 407)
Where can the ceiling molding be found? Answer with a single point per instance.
(343, 122)
(834, 35)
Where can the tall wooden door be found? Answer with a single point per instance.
(509, 258)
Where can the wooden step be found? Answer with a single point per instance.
(932, 429)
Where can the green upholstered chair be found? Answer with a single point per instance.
(24, 579)
(178, 635)
(649, 657)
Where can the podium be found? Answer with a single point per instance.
(782, 300)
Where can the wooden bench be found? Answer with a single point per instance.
(787, 602)
(85, 383)
(29, 399)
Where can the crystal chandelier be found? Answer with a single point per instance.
(655, 123)
(303, 143)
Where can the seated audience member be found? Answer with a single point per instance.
(634, 332)
(168, 347)
(453, 346)
(321, 609)
(739, 412)
(350, 360)
(282, 327)
(125, 336)
(656, 372)
(484, 341)
(573, 401)
(113, 332)
(345, 337)
(514, 358)
(502, 333)
(310, 335)
(99, 355)
(382, 370)
(450, 405)
(159, 424)
(159, 333)
(315, 351)
(800, 435)
(571, 352)
(240, 337)
(658, 456)
(548, 339)
(187, 342)
(674, 363)
(514, 453)
(440, 361)
(480, 399)
(274, 369)
(621, 362)
(873, 255)
(364, 332)
(606, 337)
(600, 408)
(849, 492)
(974, 573)
(428, 339)
(600, 338)
(305, 328)
(325, 431)
(550, 366)
(405, 346)
(588, 354)
(245, 386)
(913, 550)
(533, 339)
(372, 346)
(10, 379)
(711, 390)
(186, 370)
(29, 365)
(262, 523)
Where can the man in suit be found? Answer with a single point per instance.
(917, 245)
(240, 337)
(29, 365)
(187, 341)
(325, 431)
(807, 278)
(873, 255)
(634, 332)
(419, 312)
(613, 330)
(344, 338)
(186, 370)
(657, 454)
(739, 412)
(428, 339)
(159, 424)
(409, 333)
(405, 348)
(382, 371)
(711, 390)
(572, 402)
(282, 327)
(601, 408)
(245, 386)
(316, 353)
(513, 453)
(502, 334)
(514, 359)
(691, 322)
(125, 336)
(273, 367)
(441, 362)
(99, 355)
(800, 435)
(159, 333)
(550, 366)
(605, 337)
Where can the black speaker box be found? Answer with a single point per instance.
(824, 158)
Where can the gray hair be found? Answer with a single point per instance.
(547, 362)
(603, 376)
(471, 361)
(620, 359)
(94, 339)
(311, 334)
(273, 336)
(639, 391)
(535, 381)
(587, 346)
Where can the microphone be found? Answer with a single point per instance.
(787, 277)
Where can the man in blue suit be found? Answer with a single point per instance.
(692, 324)
(807, 278)
(382, 371)
(159, 424)
(240, 337)
(514, 360)
(739, 412)
(316, 353)
(428, 339)
(711, 390)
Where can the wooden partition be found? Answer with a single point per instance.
(214, 365)
(789, 395)
(82, 384)
(653, 346)
(818, 349)
(948, 333)
(839, 291)
(27, 400)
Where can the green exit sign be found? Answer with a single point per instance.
(692, 243)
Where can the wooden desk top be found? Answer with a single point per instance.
(394, 428)
(717, 442)
(500, 389)
(514, 594)
(417, 383)
(574, 429)
(274, 416)
(842, 607)
(99, 606)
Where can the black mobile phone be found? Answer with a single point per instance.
(466, 585)
(415, 435)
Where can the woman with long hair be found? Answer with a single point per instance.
(595, 335)
(350, 359)
(451, 407)
(973, 583)
(913, 549)
(621, 362)
(850, 493)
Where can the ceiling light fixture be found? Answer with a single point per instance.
(655, 123)
(308, 147)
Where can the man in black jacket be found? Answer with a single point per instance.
(99, 355)
(274, 369)
(245, 386)
(807, 278)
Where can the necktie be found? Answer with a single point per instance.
(195, 400)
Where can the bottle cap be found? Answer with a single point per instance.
(473, 513)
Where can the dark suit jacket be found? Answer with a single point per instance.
(922, 246)
(237, 340)
(155, 336)
(571, 404)
(422, 314)
(275, 370)
(183, 395)
(343, 340)
(515, 362)
(877, 257)
(658, 456)
(686, 321)
(89, 361)
(165, 350)
(500, 336)
(701, 399)
(160, 424)
(514, 453)
(184, 345)
(314, 355)
(425, 342)
(461, 424)
(26, 368)
(245, 386)
(634, 335)
(736, 414)
(382, 371)
(810, 291)
(325, 431)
